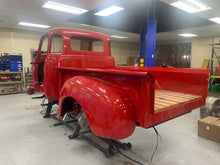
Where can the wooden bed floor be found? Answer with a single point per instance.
(166, 99)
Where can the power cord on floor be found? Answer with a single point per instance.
(119, 151)
(153, 155)
(130, 158)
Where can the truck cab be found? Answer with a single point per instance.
(69, 48)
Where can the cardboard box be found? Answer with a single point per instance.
(209, 128)
(205, 64)
(131, 61)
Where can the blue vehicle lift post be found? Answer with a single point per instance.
(148, 32)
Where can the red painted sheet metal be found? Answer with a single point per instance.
(138, 85)
(67, 33)
(108, 71)
(141, 90)
(172, 112)
(183, 70)
(109, 110)
(189, 81)
(192, 81)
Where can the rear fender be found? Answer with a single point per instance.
(109, 109)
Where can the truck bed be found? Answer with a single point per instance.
(166, 99)
(176, 91)
(158, 94)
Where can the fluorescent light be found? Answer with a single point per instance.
(120, 37)
(198, 4)
(181, 5)
(64, 8)
(187, 35)
(109, 11)
(85, 25)
(88, 25)
(33, 25)
(216, 20)
(191, 6)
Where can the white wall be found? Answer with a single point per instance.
(201, 49)
(121, 51)
(22, 42)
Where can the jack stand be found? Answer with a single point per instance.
(107, 152)
(66, 124)
(114, 145)
(113, 148)
(49, 107)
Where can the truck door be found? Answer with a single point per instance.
(52, 76)
(38, 64)
(43, 54)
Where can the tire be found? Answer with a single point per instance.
(216, 112)
(204, 112)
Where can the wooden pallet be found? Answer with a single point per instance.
(166, 99)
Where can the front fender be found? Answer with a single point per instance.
(109, 109)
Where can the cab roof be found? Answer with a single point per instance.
(77, 32)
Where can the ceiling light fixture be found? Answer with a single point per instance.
(85, 25)
(120, 37)
(191, 6)
(64, 8)
(187, 35)
(109, 11)
(33, 25)
(216, 20)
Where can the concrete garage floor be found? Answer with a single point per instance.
(28, 139)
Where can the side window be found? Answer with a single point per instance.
(57, 44)
(44, 45)
(43, 55)
(86, 44)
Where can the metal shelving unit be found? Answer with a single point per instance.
(214, 58)
(11, 82)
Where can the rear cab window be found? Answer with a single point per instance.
(79, 43)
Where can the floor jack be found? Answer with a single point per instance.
(114, 146)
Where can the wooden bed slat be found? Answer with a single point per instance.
(166, 99)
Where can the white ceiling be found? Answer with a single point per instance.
(14, 11)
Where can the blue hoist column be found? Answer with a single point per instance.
(148, 32)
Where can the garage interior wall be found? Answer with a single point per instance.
(23, 41)
(201, 49)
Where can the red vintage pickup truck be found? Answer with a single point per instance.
(75, 68)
